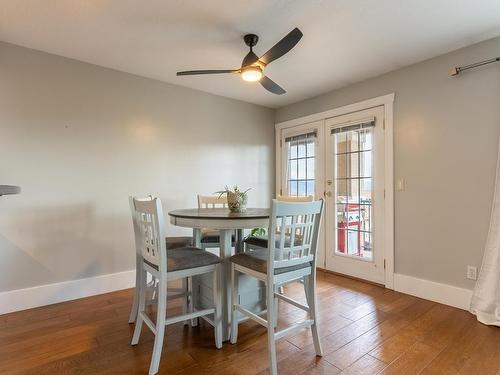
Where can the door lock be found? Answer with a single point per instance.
(329, 182)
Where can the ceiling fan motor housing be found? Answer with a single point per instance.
(251, 40)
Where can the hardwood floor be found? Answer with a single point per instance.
(365, 329)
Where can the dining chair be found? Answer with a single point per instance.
(260, 242)
(165, 266)
(172, 243)
(285, 260)
(211, 238)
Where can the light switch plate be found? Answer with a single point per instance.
(401, 184)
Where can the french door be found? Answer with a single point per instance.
(302, 167)
(355, 194)
(342, 159)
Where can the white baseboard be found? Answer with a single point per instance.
(22, 299)
(433, 291)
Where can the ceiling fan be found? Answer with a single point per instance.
(252, 66)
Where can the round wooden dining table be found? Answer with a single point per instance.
(226, 223)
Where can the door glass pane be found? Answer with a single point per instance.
(302, 149)
(292, 167)
(341, 164)
(353, 167)
(292, 150)
(352, 139)
(300, 165)
(365, 164)
(310, 168)
(365, 139)
(365, 186)
(301, 169)
(353, 193)
(310, 148)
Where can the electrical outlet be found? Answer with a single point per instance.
(472, 272)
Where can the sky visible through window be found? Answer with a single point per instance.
(301, 158)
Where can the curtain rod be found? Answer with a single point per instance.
(459, 69)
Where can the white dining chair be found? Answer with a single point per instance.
(166, 266)
(172, 243)
(211, 238)
(260, 242)
(285, 260)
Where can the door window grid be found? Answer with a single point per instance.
(353, 180)
(300, 165)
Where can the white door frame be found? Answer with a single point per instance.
(387, 101)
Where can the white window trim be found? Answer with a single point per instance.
(388, 102)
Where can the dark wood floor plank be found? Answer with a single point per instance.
(366, 365)
(413, 361)
(454, 357)
(395, 346)
(485, 359)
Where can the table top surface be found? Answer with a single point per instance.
(221, 213)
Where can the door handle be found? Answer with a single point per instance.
(328, 194)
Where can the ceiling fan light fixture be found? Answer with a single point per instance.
(251, 74)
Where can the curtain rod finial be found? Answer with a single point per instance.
(454, 72)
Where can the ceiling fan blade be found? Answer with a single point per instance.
(272, 86)
(196, 72)
(282, 47)
(249, 59)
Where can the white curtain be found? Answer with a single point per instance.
(485, 302)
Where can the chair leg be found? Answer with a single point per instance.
(193, 300)
(135, 304)
(141, 306)
(271, 323)
(276, 308)
(160, 327)
(234, 302)
(153, 284)
(185, 302)
(305, 282)
(218, 306)
(310, 286)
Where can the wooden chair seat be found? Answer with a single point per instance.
(186, 258)
(257, 260)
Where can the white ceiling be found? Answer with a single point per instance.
(344, 41)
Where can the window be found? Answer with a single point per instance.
(353, 189)
(301, 151)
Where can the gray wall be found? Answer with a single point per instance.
(446, 136)
(80, 138)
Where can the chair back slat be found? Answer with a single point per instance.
(212, 201)
(286, 198)
(293, 233)
(149, 229)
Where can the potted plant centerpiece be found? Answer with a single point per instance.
(236, 199)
